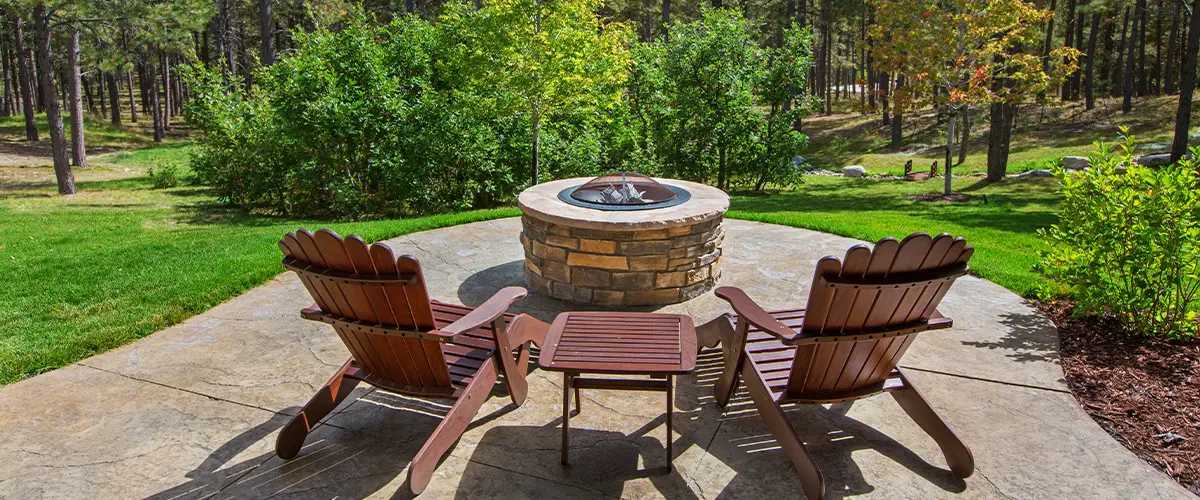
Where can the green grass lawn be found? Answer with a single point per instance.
(1003, 229)
(120, 260)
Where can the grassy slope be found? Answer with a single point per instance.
(119, 260)
(1043, 134)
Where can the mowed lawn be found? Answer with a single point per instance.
(121, 260)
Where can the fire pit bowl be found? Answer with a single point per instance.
(622, 239)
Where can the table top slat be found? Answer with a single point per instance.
(620, 343)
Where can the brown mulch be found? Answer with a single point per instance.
(1144, 391)
(944, 198)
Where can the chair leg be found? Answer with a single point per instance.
(731, 351)
(958, 456)
(291, 438)
(811, 478)
(420, 471)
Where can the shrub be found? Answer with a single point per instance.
(164, 175)
(1127, 242)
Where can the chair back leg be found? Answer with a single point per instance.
(328, 397)
(958, 456)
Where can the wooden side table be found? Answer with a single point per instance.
(619, 343)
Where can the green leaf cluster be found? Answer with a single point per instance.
(1128, 241)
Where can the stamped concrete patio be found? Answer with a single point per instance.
(192, 411)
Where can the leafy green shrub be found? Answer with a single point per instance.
(164, 175)
(1129, 243)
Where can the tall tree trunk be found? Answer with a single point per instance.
(1130, 67)
(25, 65)
(58, 139)
(266, 30)
(155, 109)
(1143, 87)
(7, 89)
(898, 120)
(1049, 45)
(722, 168)
(885, 84)
(647, 21)
(132, 102)
(14, 98)
(204, 56)
(1172, 42)
(1000, 120)
(75, 101)
(1075, 75)
(114, 98)
(1069, 17)
(142, 87)
(666, 17)
(535, 158)
(1156, 85)
(966, 135)
(1091, 62)
(1117, 77)
(165, 99)
(87, 94)
(948, 178)
(1104, 62)
(100, 94)
(1183, 113)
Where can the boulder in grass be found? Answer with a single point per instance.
(1158, 160)
(854, 171)
(1036, 173)
(1075, 162)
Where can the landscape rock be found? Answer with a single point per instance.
(1157, 160)
(1036, 173)
(1075, 162)
(854, 171)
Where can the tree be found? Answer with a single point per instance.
(1187, 86)
(58, 141)
(951, 52)
(538, 58)
(25, 73)
(1139, 14)
(266, 30)
(1090, 82)
(78, 149)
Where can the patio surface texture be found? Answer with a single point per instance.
(192, 411)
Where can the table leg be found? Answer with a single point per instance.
(670, 410)
(566, 414)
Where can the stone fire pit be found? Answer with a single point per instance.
(622, 256)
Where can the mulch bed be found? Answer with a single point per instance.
(1143, 391)
(944, 198)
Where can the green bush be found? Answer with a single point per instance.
(164, 175)
(417, 117)
(1127, 241)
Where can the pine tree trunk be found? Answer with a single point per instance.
(1091, 62)
(898, 120)
(1118, 71)
(87, 94)
(666, 17)
(100, 94)
(948, 178)
(132, 102)
(1075, 76)
(1173, 42)
(1156, 86)
(1143, 87)
(155, 109)
(142, 87)
(165, 99)
(885, 84)
(1183, 113)
(266, 30)
(75, 100)
(1130, 66)
(1069, 14)
(7, 90)
(114, 98)
(58, 139)
(14, 98)
(1104, 63)
(25, 65)
(534, 161)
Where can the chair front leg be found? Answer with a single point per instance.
(328, 397)
(512, 369)
(958, 456)
(420, 471)
(734, 353)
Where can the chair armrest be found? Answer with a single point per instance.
(487, 312)
(748, 310)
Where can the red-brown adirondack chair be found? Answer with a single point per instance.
(403, 342)
(862, 314)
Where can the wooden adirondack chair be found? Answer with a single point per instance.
(403, 342)
(862, 314)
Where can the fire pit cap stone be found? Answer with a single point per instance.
(542, 202)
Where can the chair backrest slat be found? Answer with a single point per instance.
(370, 285)
(901, 285)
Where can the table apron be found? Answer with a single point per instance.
(619, 384)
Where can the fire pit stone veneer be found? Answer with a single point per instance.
(622, 257)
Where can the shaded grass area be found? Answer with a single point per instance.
(99, 133)
(1044, 134)
(120, 260)
(1003, 229)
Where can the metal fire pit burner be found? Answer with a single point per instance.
(624, 191)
